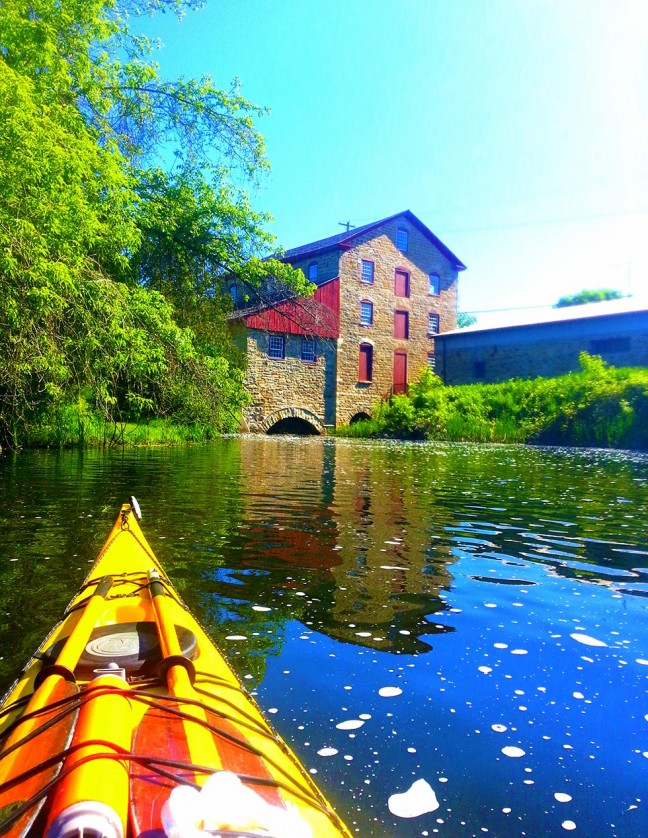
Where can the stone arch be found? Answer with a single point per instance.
(360, 416)
(292, 413)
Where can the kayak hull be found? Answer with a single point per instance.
(152, 705)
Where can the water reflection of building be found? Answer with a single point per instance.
(355, 532)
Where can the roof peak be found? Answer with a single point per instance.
(346, 238)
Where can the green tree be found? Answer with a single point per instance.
(92, 229)
(464, 320)
(588, 296)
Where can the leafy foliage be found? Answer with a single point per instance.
(464, 319)
(598, 406)
(588, 296)
(115, 272)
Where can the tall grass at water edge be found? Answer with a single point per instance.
(597, 406)
(74, 426)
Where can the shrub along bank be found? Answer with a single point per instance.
(598, 406)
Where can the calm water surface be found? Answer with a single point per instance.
(472, 617)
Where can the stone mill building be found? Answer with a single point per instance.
(383, 291)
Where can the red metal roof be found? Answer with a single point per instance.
(318, 315)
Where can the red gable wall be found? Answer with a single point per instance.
(317, 315)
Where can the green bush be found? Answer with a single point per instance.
(598, 405)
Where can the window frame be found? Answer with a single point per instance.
(433, 316)
(363, 279)
(402, 237)
(365, 348)
(313, 269)
(432, 293)
(311, 342)
(431, 361)
(363, 304)
(282, 339)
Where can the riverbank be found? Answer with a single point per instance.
(74, 426)
(598, 406)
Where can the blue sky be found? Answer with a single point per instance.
(515, 129)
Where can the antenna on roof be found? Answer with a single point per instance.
(346, 224)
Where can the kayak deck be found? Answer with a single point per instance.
(126, 700)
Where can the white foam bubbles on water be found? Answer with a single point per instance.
(417, 800)
(389, 692)
(261, 608)
(327, 752)
(561, 797)
(485, 669)
(350, 724)
(499, 728)
(512, 751)
(236, 637)
(568, 825)
(586, 640)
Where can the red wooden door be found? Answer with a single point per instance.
(401, 283)
(400, 372)
(401, 324)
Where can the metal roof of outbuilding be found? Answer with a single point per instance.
(607, 308)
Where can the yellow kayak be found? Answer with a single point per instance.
(128, 722)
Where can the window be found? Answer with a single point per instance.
(276, 347)
(431, 361)
(366, 313)
(434, 284)
(402, 239)
(312, 272)
(365, 362)
(308, 350)
(401, 324)
(433, 323)
(401, 283)
(367, 271)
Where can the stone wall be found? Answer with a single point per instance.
(421, 259)
(288, 384)
(543, 349)
(327, 265)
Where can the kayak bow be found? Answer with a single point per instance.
(129, 722)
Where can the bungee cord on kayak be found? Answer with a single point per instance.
(126, 703)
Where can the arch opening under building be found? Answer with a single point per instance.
(359, 417)
(293, 420)
(295, 426)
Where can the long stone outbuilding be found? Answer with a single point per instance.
(616, 331)
(384, 291)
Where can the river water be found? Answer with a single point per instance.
(461, 625)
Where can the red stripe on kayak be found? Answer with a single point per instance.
(162, 735)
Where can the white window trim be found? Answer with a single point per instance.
(363, 304)
(373, 272)
(306, 342)
(280, 338)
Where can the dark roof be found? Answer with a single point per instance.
(346, 239)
